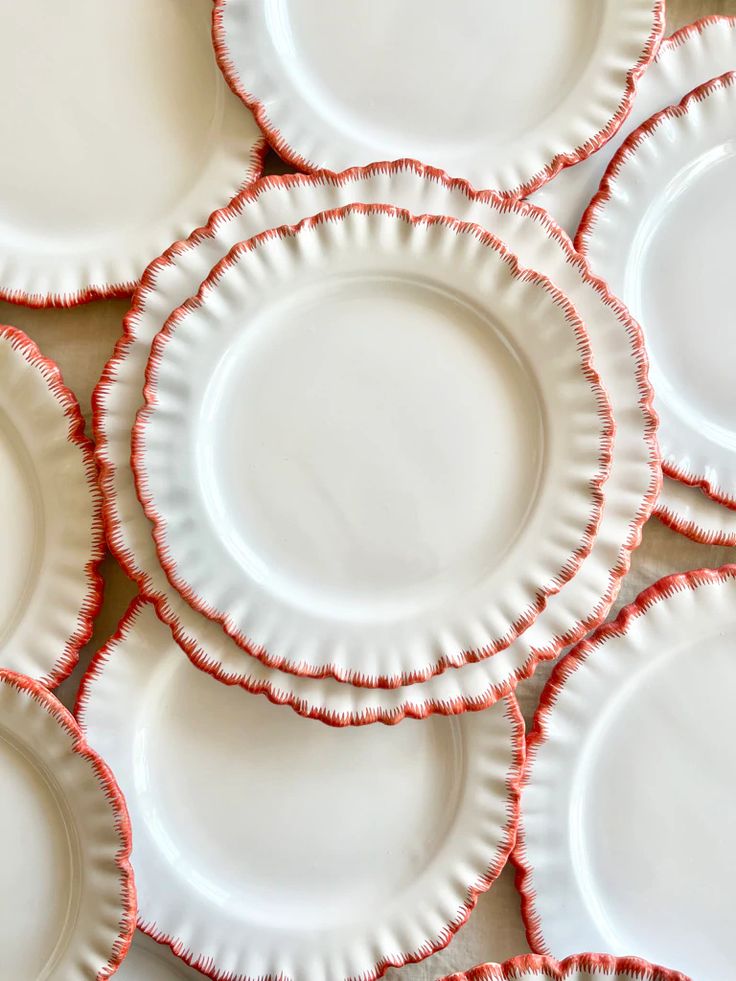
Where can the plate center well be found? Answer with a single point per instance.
(36, 872)
(653, 812)
(371, 440)
(282, 820)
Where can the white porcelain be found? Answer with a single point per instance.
(67, 905)
(661, 233)
(51, 540)
(120, 135)
(630, 490)
(628, 809)
(578, 967)
(148, 960)
(691, 512)
(372, 446)
(686, 59)
(266, 845)
(502, 95)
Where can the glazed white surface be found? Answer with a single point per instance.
(449, 85)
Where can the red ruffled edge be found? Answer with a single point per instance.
(117, 802)
(603, 964)
(604, 194)
(558, 163)
(660, 590)
(127, 340)
(91, 602)
(569, 567)
(513, 790)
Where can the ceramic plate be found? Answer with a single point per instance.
(502, 95)
(147, 960)
(661, 232)
(693, 55)
(268, 846)
(125, 137)
(626, 835)
(309, 489)
(67, 901)
(616, 342)
(580, 967)
(52, 537)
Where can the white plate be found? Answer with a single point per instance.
(67, 902)
(686, 59)
(124, 138)
(688, 510)
(628, 808)
(52, 538)
(693, 55)
(503, 95)
(266, 845)
(578, 967)
(372, 446)
(630, 491)
(661, 232)
(148, 960)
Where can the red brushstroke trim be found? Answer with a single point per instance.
(691, 529)
(127, 340)
(598, 204)
(566, 572)
(679, 37)
(559, 162)
(513, 790)
(113, 795)
(92, 599)
(600, 964)
(567, 666)
(115, 291)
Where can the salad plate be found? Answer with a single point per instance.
(578, 967)
(68, 902)
(660, 231)
(52, 537)
(310, 491)
(335, 85)
(617, 353)
(147, 140)
(624, 785)
(258, 798)
(692, 55)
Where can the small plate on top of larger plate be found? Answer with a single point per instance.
(50, 510)
(372, 446)
(67, 902)
(662, 232)
(628, 806)
(268, 846)
(617, 345)
(501, 94)
(124, 138)
(578, 967)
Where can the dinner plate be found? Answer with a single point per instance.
(67, 906)
(311, 492)
(626, 834)
(693, 55)
(660, 230)
(501, 95)
(147, 960)
(579, 967)
(268, 846)
(630, 490)
(52, 535)
(125, 137)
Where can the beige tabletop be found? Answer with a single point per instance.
(82, 339)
